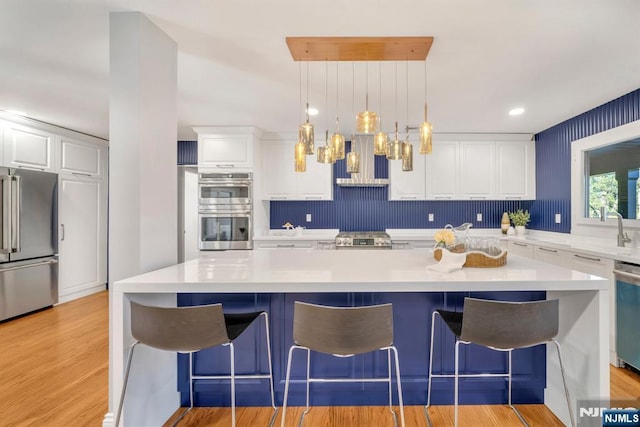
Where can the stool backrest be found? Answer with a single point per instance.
(343, 330)
(181, 329)
(504, 325)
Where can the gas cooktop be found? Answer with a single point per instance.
(363, 240)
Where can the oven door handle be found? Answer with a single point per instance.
(216, 183)
(224, 214)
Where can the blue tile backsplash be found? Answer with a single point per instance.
(367, 208)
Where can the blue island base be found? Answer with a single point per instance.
(412, 326)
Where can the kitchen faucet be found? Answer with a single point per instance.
(622, 236)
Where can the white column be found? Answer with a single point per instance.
(142, 176)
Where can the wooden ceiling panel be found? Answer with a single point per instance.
(359, 48)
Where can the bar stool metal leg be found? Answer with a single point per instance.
(126, 380)
(564, 382)
(268, 344)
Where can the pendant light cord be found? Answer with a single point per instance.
(307, 109)
(337, 103)
(380, 94)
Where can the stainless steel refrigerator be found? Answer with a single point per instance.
(28, 241)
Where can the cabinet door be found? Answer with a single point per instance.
(442, 171)
(408, 185)
(477, 166)
(279, 177)
(316, 183)
(80, 240)
(29, 147)
(81, 158)
(225, 151)
(514, 174)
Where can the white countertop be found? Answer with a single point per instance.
(349, 271)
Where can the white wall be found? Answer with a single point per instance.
(142, 183)
(142, 134)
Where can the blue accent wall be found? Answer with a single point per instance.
(187, 152)
(553, 158)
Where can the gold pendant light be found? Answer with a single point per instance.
(305, 131)
(367, 121)
(337, 140)
(353, 158)
(407, 147)
(300, 157)
(407, 156)
(325, 152)
(426, 131)
(395, 147)
(381, 139)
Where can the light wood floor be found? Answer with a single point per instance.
(53, 372)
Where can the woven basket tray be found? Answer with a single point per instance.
(475, 259)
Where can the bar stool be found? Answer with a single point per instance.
(501, 326)
(190, 329)
(343, 332)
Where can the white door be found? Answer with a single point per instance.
(442, 171)
(477, 169)
(79, 235)
(408, 185)
(278, 179)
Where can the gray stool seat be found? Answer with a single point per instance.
(343, 332)
(502, 326)
(190, 329)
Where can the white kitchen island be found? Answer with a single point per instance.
(152, 395)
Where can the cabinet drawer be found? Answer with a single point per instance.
(285, 245)
(551, 255)
(521, 249)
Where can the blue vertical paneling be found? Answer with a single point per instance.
(187, 152)
(553, 158)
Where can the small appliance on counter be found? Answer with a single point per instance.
(363, 240)
(28, 241)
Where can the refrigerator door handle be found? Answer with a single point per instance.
(5, 244)
(15, 212)
(35, 264)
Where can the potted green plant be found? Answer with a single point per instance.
(520, 219)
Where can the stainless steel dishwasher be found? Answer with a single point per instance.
(628, 313)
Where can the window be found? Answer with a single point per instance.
(613, 172)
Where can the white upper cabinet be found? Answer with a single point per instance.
(467, 170)
(316, 183)
(226, 147)
(29, 147)
(515, 162)
(407, 185)
(81, 158)
(477, 169)
(278, 177)
(281, 182)
(442, 171)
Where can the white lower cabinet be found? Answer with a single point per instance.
(82, 237)
(551, 255)
(520, 248)
(602, 267)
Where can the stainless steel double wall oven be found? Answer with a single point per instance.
(225, 211)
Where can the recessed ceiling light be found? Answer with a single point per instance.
(516, 111)
(313, 111)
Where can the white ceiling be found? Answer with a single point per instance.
(555, 58)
